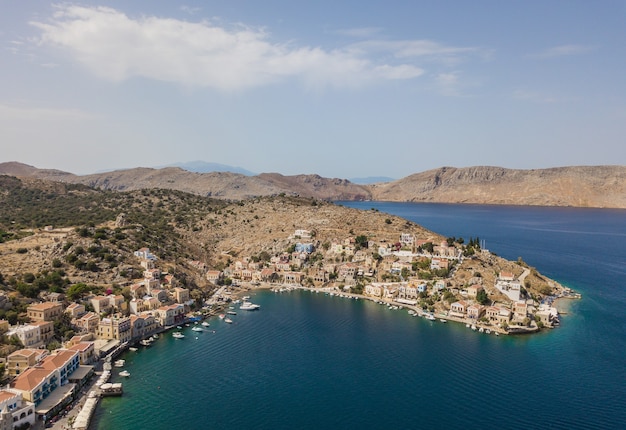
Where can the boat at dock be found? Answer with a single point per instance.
(124, 373)
(249, 306)
(119, 363)
(132, 348)
(145, 342)
(114, 389)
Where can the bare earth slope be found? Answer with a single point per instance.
(224, 185)
(579, 186)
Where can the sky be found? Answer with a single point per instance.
(336, 88)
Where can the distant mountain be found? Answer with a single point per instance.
(206, 167)
(371, 180)
(579, 186)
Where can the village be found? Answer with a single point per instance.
(409, 272)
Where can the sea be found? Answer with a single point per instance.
(315, 361)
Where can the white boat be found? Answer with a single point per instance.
(430, 317)
(178, 335)
(205, 323)
(145, 342)
(443, 320)
(231, 313)
(125, 373)
(481, 330)
(222, 316)
(249, 306)
(196, 328)
(132, 348)
(228, 320)
(119, 363)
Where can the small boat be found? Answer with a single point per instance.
(119, 363)
(222, 316)
(179, 327)
(481, 330)
(231, 313)
(473, 327)
(430, 317)
(205, 323)
(145, 342)
(196, 328)
(249, 306)
(488, 331)
(178, 335)
(125, 373)
(228, 320)
(132, 348)
(443, 320)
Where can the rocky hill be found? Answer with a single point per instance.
(578, 186)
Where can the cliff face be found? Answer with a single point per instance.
(580, 186)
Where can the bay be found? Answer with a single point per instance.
(313, 361)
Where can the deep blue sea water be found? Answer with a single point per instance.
(311, 361)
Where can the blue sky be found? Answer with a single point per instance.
(338, 88)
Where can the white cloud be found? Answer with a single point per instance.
(117, 47)
(416, 49)
(448, 83)
(564, 50)
(190, 10)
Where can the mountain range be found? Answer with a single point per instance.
(576, 186)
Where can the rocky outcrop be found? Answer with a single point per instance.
(580, 186)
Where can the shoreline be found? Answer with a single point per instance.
(244, 289)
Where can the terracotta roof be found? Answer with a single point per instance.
(26, 352)
(44, 306)
(30, 378)
(58, 360)
(7, 395)
(82, 346)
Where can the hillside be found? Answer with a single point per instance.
(577, 186)
(580, 186)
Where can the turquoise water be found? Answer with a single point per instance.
(312, 361)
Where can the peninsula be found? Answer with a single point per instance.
(84, 271)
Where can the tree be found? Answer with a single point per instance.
(481, 297)
(362, 241)
(77, 291)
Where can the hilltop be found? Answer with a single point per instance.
(576, 186)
